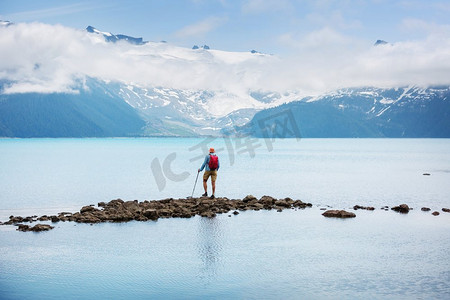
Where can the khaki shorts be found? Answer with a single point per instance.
(213, 175)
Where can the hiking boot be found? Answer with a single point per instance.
(205, 195)
(212, 197)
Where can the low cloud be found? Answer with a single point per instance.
(43, 58)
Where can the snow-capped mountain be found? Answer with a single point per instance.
(115, 109)
(169, 111)
(363, 112)
(109, 37)
(5, 23)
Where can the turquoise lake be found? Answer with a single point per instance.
(294, 254)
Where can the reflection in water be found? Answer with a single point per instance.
(209, 246)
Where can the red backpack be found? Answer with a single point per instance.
(213, 162)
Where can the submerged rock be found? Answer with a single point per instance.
(17, 219)
(35, 228)
(338, 214)
(356, 207)
(402, 208)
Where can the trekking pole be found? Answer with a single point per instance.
(195, 184)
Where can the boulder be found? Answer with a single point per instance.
(257, 206)
(43, 218)
(14, 220)
(122, 216)
(284, 203)
(301, 204)
(22, 227)
(165, 212)
(88, 219)
(435, 213)
(208, 214)
(425, 209)
(132, 206)
(115, 203)
(183, 213)
(338, 214)
(249, 198)
(402, 208)
(446, 210)
(267, 200)
(85, 209)
(151, 214)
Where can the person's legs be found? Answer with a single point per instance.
(205, 179)
(213, 182)
(205, 186)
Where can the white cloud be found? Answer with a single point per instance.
(201, 28)
(44, 58)
(327, 60)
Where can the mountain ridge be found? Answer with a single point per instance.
(103, 105)
(411, 112)
(109, 37)
(117, 109)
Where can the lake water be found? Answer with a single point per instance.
(256, 254)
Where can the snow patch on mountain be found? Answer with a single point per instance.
(5, 23)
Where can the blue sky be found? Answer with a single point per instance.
(270, 26)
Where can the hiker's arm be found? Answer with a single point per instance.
(218, 164)
(204, 164)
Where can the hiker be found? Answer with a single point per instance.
(212, 166)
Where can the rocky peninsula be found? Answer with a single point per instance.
(123, 211)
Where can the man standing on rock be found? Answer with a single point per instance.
(212, 166)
